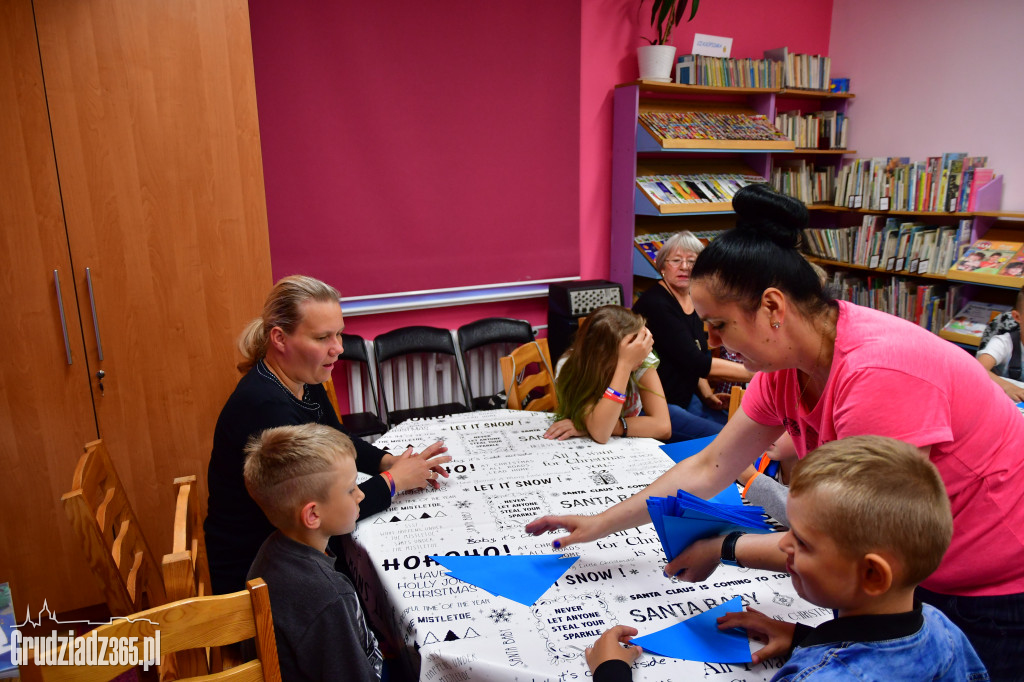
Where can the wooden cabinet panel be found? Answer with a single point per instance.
(46, 413)
(155, 141)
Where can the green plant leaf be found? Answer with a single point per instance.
(693, 10)
(680, 10)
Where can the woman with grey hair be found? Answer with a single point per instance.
(687, 367)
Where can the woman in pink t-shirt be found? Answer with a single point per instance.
(828, 370)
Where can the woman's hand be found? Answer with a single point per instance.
(695, 563)
(633, 350)
(562, 429)
(608, 647)
(417, 470)
(777, 634)
(581, 528)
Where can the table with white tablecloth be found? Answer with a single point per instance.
(504, 474)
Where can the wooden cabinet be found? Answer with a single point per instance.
(132, 173)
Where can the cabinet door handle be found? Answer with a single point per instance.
(63, 322)
(95, 321)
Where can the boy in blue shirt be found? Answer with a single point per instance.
(869, 519)
(304, 479)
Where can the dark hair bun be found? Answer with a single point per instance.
(774, 216)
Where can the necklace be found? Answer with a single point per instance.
(277, 380)
(672, 292)
(817, 361)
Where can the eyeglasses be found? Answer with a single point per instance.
(677, 262)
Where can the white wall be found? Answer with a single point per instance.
(934, 76)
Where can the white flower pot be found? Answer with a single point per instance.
(656, 62)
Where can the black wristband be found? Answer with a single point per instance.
(729, 549)
(625, 427)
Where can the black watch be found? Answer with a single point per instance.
(729, 549)
(625, 427)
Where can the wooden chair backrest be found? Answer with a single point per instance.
(519, 386)
(735, 398)
(332, 396)
(187, 574)
(210, 621)
(111, 537)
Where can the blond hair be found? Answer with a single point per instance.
(288, 466)
(281, 309)
(879, 494)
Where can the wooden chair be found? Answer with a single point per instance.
(187, 574)
(519, 385)
(735, 398)
(211, 621)
(111, 537)
(332, 396)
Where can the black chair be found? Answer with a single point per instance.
(419, 374)
(481, 344)
(367, 422)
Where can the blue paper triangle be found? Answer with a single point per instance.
(687, 448)
(699, 639)
(731, 495)
(521, 578)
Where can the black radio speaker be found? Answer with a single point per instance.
(568, 302)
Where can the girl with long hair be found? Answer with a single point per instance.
(607, 382)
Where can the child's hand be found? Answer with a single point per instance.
(609, 647)
(776, 633)
(633, 350)
(1015, 392)
(562, 429)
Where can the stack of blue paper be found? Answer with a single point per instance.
(685, 518)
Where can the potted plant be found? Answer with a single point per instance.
(656, 60)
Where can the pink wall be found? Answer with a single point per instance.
(611, 32)
(934, 76)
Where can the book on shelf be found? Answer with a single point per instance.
(938, 184)
(986, 257)
(725, 72)
(972, 318)
(803, 71)
(706, 125)
(924, 304)
(979, 178)
(969, 165)
(886, 243)
(816, 130)
(694, 189)
(804, 181)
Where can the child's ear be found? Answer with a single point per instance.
(1015, 314)
(876, 575)
(309, 516)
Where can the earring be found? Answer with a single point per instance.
(776, 324)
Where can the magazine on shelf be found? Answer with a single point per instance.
(1014, 267)
(987, 256)
(972, 319)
